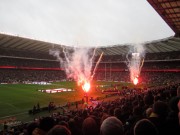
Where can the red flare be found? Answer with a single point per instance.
(86, 86)
(135, 81)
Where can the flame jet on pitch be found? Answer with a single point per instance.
(77, 63)
(135, 61)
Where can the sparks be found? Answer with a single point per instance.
(97, 63)
(77, 64)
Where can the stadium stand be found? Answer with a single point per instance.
(161, 69)
(140, 112)
(126, 111)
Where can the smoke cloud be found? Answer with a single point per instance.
(77, 63)
(135, 60)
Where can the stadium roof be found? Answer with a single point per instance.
(169, 10)
(32, 45)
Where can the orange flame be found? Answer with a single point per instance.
(86, 86)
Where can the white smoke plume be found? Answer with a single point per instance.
(135, 60)
(77, 63)
(56, 53)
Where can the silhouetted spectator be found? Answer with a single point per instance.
(30, 127)
(64, 123)
(172, 119)
(38, 107)
(45, 125)
(34, 110)
(112, 126)
(117, 113)
(90, 127)
(178, 91)
(158, 116)
(59, 130)
(148, 100)
(145, 127)
(179, 111)
(73, 127)
(76, 105)
(148, 112)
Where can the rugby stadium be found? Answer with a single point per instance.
(41, 79)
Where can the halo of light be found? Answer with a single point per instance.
(86, 86)
(135, 81)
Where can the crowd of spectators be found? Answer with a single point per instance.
(154, 111)
(162, 56)
(151, 112)
(53, 63)
(29, 63)
(20, 76)
(161, 65)
(145, 77)
(148, 56)
(146, 65)
(15, 70)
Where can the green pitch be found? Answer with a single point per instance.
(17, 99)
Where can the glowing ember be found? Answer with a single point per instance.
(86, 86)
(135, 81)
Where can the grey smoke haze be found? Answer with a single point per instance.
(83, 22)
